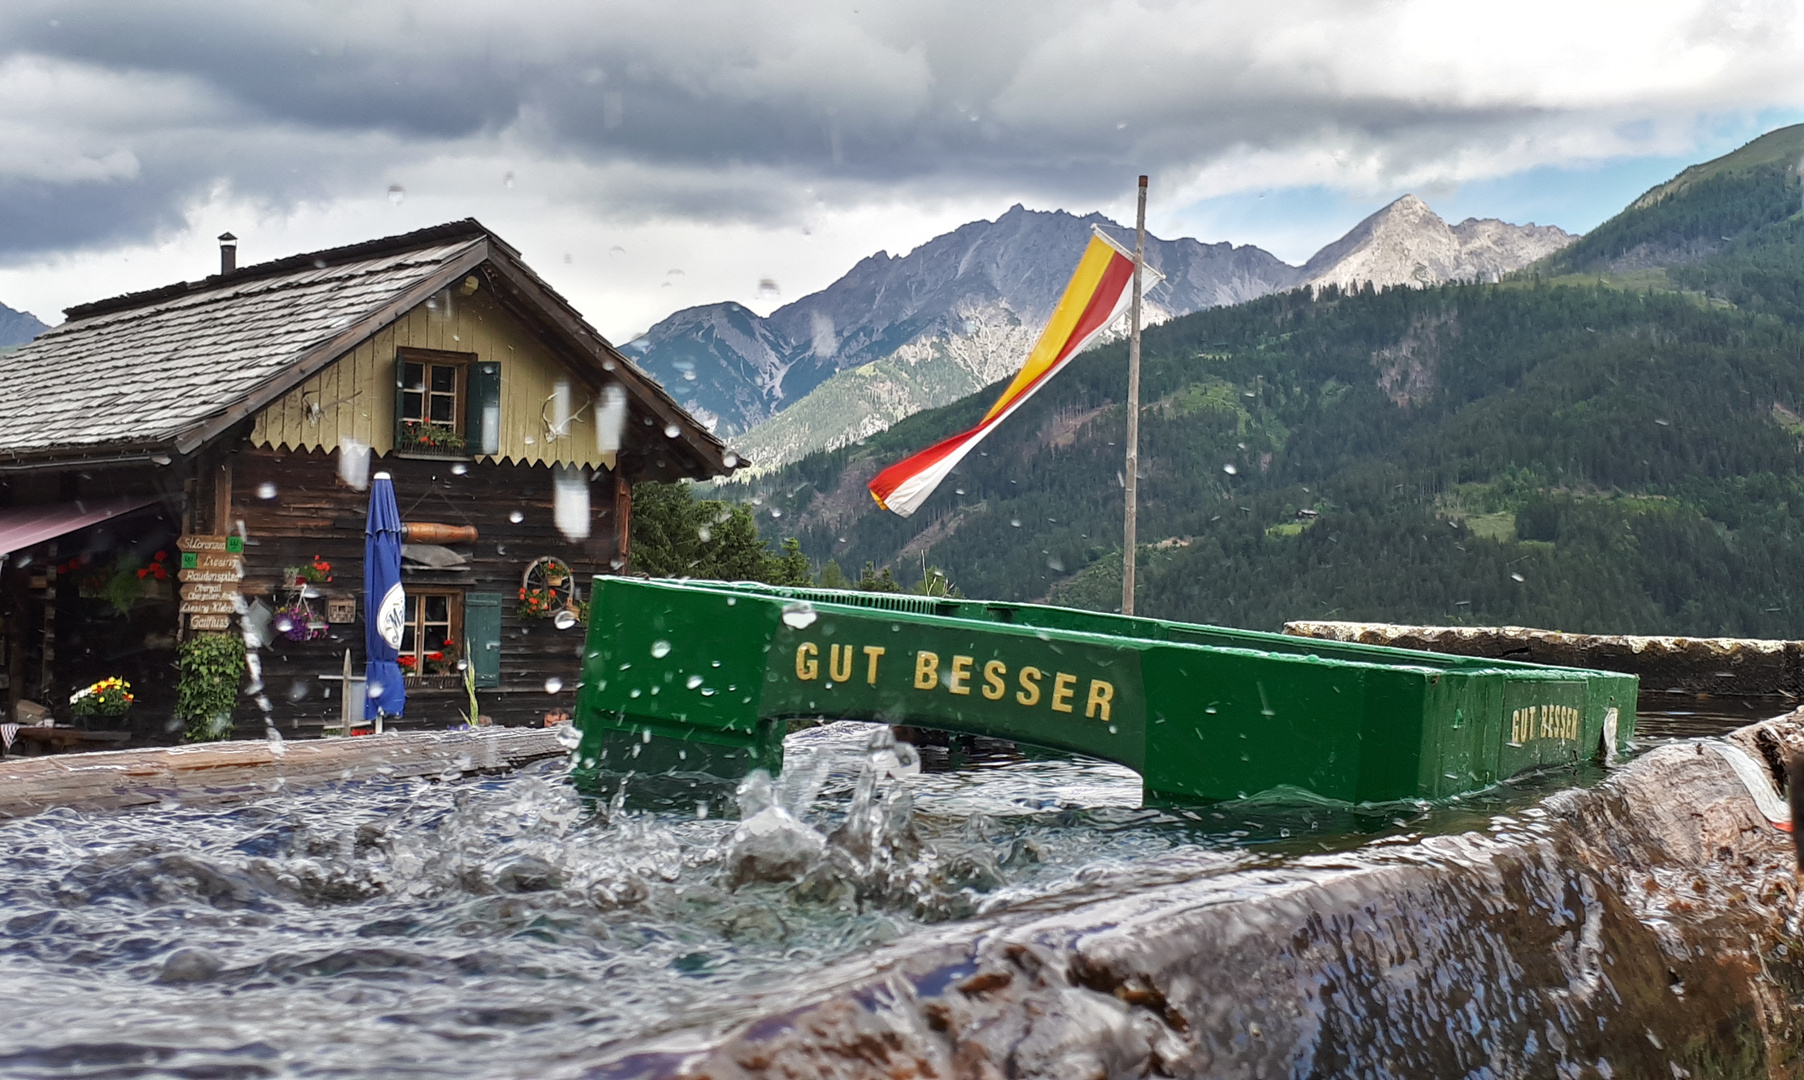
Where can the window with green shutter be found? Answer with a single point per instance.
(482, 627)
(433, 406)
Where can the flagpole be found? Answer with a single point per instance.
(1132, 476)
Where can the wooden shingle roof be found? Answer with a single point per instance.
(169, 369)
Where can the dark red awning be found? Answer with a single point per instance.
(23, 526)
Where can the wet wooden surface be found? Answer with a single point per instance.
(231, 771)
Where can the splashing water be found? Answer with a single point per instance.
(570, 506)
(610, 419)
(354, 463)
(492, 926)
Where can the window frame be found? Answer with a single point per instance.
(416, 610)
(461, 363)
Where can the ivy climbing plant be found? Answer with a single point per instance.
(212, 667)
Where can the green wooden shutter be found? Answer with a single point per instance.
(482, 417)
(482, 627)
(400, 386)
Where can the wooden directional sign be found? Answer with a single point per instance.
(233, 545)
(215, 576)
(211, 569)
(224, 605)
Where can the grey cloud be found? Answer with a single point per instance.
(719, 110)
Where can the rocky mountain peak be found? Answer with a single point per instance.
(1407, 243)
(900, 333)
(18, 327)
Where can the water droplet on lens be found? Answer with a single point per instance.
(564, 620)
(693, 681)
(671, 431)
(660, 649)
(1230, 470)
(459, 469)
(731, 460)
(516, 517)
(704, 534)
(776, 513)
(1016, 522)
(799, 614)
(266, 490)
(553, 685)
(568, 736)
(396, 194)
(1518, 577)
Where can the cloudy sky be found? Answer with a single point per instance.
(651, 154)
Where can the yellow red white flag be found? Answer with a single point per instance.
(1098, 292)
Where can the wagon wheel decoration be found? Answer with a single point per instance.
(547, 587)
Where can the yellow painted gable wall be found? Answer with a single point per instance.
(354, 397)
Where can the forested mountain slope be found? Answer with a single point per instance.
(1576, 457)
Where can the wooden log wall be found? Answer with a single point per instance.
(294, 507)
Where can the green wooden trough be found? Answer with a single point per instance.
(704, 676)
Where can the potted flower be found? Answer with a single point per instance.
(441, 661)
(408, 663)
(155, 576)
(316, 572)
(298, 622)
(536, 603)
(108, 697)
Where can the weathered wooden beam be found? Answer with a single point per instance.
(249, 769)
(1723, 666)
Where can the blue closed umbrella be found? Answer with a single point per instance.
(384, 603)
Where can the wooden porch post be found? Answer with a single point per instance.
(623, 520)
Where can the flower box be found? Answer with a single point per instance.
(426, 439)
